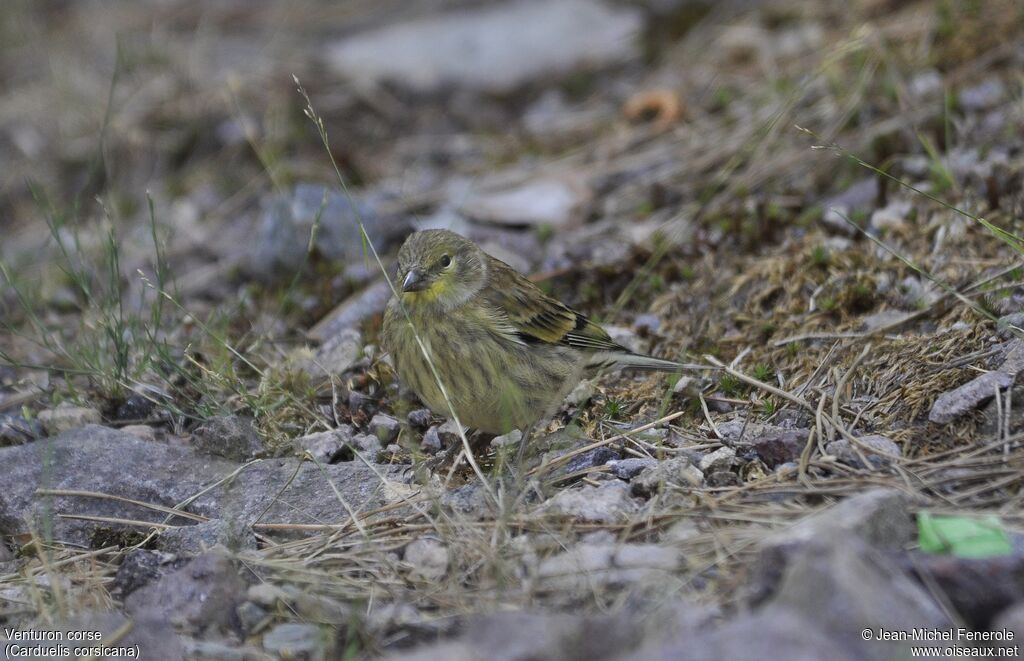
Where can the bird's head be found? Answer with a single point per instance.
(441, 268)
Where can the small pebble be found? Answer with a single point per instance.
(384, 427)
(509, 440)
(420, 418)
(627, 469)
(431, 443)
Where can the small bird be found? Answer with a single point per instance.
(506, 352)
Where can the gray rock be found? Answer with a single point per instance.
(100, 459)
(858, 198)
(282, 239)
(952, 404)
(848, 586)
(589, 459)
(350, 315)
(469, 500)
(545, 635)
(983, 96)
(721, 459)
(420, 418)
(454, 650)
(449, 434)
(301, 642)
(891, 217)
(140, 567)
(586, 565)
(341, 348)
(884, 318)
(627, 469)
(201, 595)
(692, 386)
(994, 415)
(547, 202)
(428, 557)
(6, 554)
(917, 292)
(1012, 620)
(66, 417)
(520, 635)
(723, 479)
(772, 445)
(769, 634)
(15, 430)
(384, 427)
(509, 440)
(1008, 322)
(926, 83)
(326, 446)
(1013, 359)
(646, 323)
(608, 503)
(582, 393)
(251, 616)
(878, 517)
(683, 530)
(881, 450)
(193, 540)
(557, 123)
(296, 599)
(139, 405)
(431, 443)
(357, 401)
(229, 436)
(367, 445)
(222, 650)
(625, 336)
(674, 472)
(977, 589)
(474, 48)
(155, 638)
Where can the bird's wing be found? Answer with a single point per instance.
(536, 317)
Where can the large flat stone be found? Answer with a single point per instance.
(494, 49)
(100, 459)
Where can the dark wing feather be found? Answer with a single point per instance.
(536, 317)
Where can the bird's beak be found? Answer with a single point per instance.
(414, 281)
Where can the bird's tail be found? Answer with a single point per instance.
(632, 360)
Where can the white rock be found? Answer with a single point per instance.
(509, 440)
(719, 460)
(495, 48)
(585, 565)
(609, 503)
(66, 417)
(554, 202)
(385, 427)
(326, 445)
(428, 557)
(891, 217)
(581, 394)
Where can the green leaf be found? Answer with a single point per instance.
(962, 536)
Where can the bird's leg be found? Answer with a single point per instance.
(521, 452)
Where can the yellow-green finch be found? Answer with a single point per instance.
(506, 352)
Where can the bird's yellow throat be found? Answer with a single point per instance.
(438, 288)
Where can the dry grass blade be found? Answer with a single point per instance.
(103, 496)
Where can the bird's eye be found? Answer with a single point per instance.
(446, 261)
